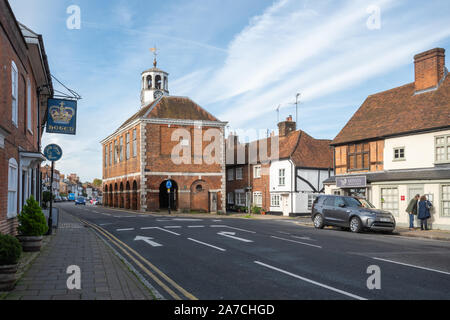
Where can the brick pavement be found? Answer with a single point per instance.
(103, 275)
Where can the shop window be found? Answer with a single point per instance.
(445, 201)
(389, 200)
(358, 156)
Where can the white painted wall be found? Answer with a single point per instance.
(419, 151)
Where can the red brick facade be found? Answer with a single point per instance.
(139, 182)
(18, 141)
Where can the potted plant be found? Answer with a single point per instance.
(10, 251)
(32, 226)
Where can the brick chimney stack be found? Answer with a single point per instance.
(286, 127)
(429, 68)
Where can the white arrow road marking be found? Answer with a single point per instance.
(306, 244)
(311, 281)
(206, 244)
(148, 240)
(231, 235)
(158, 228)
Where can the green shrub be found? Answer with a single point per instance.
(256, 210)
(32, 221)
(10, 250)
(46, 197)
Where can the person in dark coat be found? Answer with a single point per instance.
(424, 212)
(412, 210)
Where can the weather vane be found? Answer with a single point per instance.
(154, 50)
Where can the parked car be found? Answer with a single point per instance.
(350, 212)
(99, 201)
(80, 200)
(65, 199)
(57, 199)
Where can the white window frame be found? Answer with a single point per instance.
(230, 198)
(239, 173)
(134, 143)
(240, 199)
(257, 199)
(14, 94)
(445, 146)
(445, 200)
(29, 118)
(13, 177)
(275, 200)
(127, 145)
(399, 151)
(121, 150)
(256, 172)
(282, 177)
(390, 203)
(230, 174)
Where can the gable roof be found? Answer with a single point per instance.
(301, 148)
(398, 111)
(171, 107)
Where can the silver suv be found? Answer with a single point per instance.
(350, 212)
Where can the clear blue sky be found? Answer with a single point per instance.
(238, 59)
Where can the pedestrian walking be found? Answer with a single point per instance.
(412, 210)
(424, 212)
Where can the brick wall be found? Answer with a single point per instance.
(13, 48)
(429, 68)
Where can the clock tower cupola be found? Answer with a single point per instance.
(155, 83)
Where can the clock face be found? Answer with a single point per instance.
(158, 94)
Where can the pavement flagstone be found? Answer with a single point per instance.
(103, 275)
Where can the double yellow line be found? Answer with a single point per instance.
(157, 275)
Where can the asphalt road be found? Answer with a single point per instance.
(234, 259)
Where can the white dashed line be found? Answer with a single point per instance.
(311, 281)
(127, 229)
(413, 266)
(206, 244)
(304, 243)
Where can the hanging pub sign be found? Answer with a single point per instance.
(62, 116)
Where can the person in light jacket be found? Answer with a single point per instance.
(412, 210)
(424, 212)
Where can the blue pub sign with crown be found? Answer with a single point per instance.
(62, 116)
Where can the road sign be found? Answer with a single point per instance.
(169, 184)
(53, 152)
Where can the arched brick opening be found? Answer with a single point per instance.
(105, 202)
(116, 196)
(128, 196)
(121, 196)
(111, 194)
(200, 196)
(134, 196)
(164, 195)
